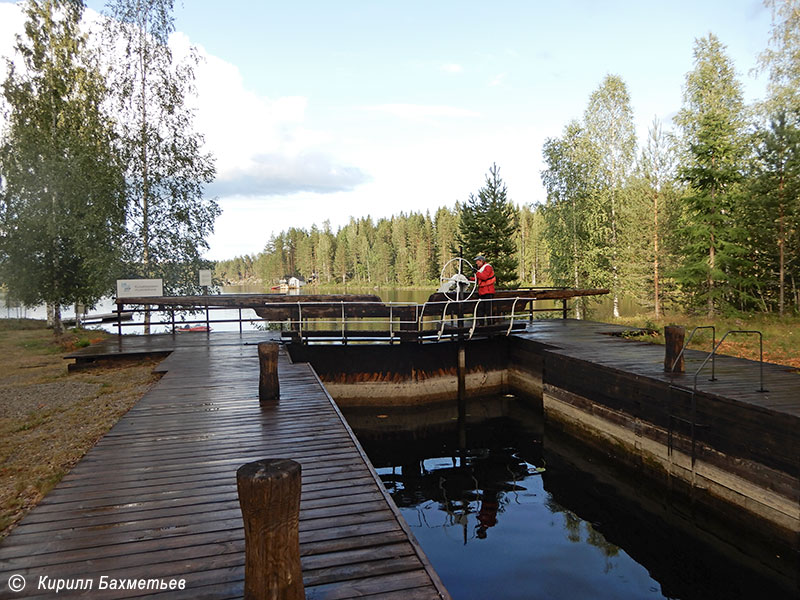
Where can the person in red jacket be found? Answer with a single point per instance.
(485, 278)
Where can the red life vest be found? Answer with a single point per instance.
(486, 279)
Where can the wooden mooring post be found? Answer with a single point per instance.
(461, 372)
(268, 386)
(269, 496)
(673, 344)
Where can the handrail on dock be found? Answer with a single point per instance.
(301, 315)
(304, 314)
(714, 352)
(686, 345)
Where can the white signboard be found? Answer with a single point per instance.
(205, 277)
(136, 288)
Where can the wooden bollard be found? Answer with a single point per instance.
(673, 344)
(269, 495)
(268, 386)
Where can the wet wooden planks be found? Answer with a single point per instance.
(736, 379)
(751, 433)
(156, 498)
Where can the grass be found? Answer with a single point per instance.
(781, 335)
(49, 419)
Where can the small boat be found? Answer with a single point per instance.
(185, 328)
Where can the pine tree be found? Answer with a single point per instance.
(445, 224)
(531, 245)
(488, 226)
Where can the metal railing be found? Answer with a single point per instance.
(686, 345)
(692, 420)
(713, 353)
(404, 319)
(175, 324)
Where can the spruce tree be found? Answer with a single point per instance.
(488, 226)
(712, 122)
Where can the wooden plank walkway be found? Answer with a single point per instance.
(737, 378)
(156, 497)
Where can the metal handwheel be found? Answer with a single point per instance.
(454, 283)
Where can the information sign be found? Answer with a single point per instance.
(135, 288)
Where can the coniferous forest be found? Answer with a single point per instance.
(703, 214)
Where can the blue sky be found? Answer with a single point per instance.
(325, 110)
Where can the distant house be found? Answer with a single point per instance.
(295, 282)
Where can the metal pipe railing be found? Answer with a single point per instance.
(760, 357)
(686, 345)
(305, 324)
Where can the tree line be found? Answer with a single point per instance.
(408, 249)
(101, 172)
(705, 217)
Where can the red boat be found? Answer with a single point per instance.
(193, 328)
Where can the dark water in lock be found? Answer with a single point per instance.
(524, 513)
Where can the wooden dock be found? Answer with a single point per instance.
(156, 497)
(737, 379)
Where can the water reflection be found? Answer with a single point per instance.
(525, 511)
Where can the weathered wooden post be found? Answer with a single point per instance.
(461, 371)
(268, 386)
(269, 496)
(673, 344)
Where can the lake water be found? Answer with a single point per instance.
(527, 512)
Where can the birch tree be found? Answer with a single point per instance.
(574, 223)
(168, 214)
(609, 126)
(61, 204)
(776, 182)
(657, 174)
(781, 59)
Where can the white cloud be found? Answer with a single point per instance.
(262, 145)
(276, 174)
(12, 22)
(452, 68)
(498, 79)
(422, 111)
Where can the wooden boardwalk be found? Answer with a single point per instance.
(156, 497)
(737, 379)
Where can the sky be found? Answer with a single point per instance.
(320, 111)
